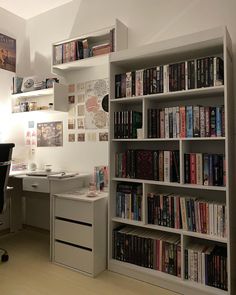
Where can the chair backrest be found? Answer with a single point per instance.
(5, 163)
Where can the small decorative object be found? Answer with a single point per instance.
(32, 166)
(105, 105)
(50, 81)
(140, 133)
(28, 84)
(48, 167)
(32, 106)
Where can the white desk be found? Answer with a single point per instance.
(36, 190)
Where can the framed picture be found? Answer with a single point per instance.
(50, 134)
(7, 53)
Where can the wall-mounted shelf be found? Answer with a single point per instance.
(51, 99)
(66, 54)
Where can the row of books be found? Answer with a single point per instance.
(187, 213)
(186, 121)
(126, 124)
(191, 74)
(148, 248)
(148, 164)
(129, 201)
(83, 48)
(207, 265)
(205, 169)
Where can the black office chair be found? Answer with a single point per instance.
(5, 163)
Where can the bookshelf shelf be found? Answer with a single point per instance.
(170, 230)
(176, 95)
(169, 139)
(157, 276)
(214, 44)
(174, 184)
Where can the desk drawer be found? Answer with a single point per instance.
(74, 210)
(78, 258)
(36, 184)
(74, 233)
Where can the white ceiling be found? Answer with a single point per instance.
(30, 8)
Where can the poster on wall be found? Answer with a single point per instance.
(92, 93)
(7, 53)
(50, 134)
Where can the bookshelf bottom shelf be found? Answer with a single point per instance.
(162, 279)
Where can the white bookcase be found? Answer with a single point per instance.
(202, 44)
(53, 99)
(120, 42)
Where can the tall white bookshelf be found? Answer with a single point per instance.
(213, 42)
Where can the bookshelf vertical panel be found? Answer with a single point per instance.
(230, 162)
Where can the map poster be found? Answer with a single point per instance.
(50, 134)
(7, 53)
(95, 116)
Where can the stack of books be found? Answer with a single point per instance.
(205, 169)
(150, 249)
(187, 213)
(207, 264)
(148, 164)
(186, 121)
(129, 201)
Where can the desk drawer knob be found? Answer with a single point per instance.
(34, 185)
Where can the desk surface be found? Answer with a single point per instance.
(23, 174)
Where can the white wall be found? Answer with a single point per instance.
(148, 21)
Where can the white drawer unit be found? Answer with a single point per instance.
(79, 231)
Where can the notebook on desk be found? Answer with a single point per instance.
(62, 175)
(42, 173)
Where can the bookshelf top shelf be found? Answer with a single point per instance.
(198, 92)
(204, 43)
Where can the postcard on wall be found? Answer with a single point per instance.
(50, 134)
(7, 53)
(71, 123)
(81, 137)
(71, 88)
(103, 136)
(71, 137)
(80, 123)
(71, 99)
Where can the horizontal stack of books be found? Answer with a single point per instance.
(150, 249)
(186, 121)
(129, 201)
(148, 164)
(206, 265)
(187, 213)
(191, 74)
(205, 169)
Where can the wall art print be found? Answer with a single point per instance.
(7, 53)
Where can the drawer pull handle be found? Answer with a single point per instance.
(34, 185)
